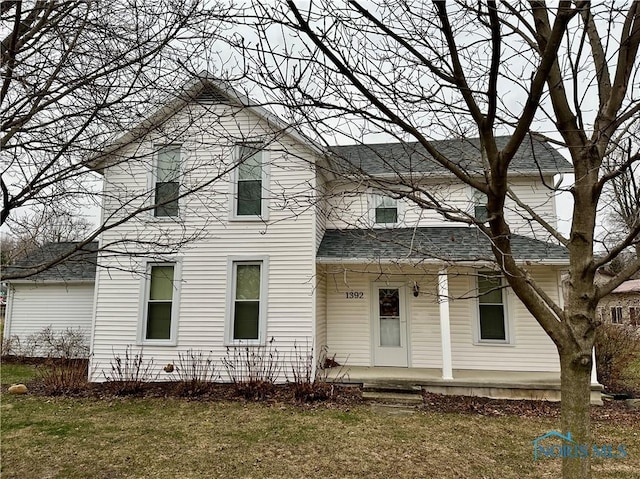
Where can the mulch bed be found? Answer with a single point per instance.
(329, 395)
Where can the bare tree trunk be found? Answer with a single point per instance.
(576, 393)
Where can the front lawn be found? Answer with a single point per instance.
(172, 437)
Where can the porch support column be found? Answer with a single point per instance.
(445, 328)
(594, 370)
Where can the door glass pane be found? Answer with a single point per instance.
(161, 283)
(389, 299)
(248, 281)
(389, 302)
(390, 332)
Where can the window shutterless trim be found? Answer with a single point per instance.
(264, 186)
(477, 340)
(153, 184)
(145, 290)
(232, 263)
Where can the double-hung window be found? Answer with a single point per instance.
(247, 306)
(634, 316)
(384, 210)
(250, 178)
(480, 207)
(160, 308)
(167, 185)
(616, 315)
(492, 320)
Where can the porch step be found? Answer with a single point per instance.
(392, 393)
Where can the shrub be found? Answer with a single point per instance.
(617, 347)
(63, 376)
(129, 373)
(194, 372)
(253, 370)
(308, 385)
(71, 343)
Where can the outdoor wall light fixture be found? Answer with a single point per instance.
(416, 289)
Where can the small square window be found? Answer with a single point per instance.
(385, 210)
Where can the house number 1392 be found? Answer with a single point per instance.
(354, 294)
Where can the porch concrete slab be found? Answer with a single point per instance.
(538, 385)
(363, 374)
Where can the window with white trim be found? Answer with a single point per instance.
(616, 315)
(166, 177)
(492, 317)
(383, 210)
(634, 316)
(480, 206)
(250, 184)
(160, 312)
(247, 305)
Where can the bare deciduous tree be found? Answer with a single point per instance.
(419, 72)
(76, 75)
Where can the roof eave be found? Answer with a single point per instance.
(437, 262)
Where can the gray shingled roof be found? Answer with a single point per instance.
(533, 157)
(80, 266)
(447, 243)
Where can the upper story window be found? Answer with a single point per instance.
(480, 206)
(492, 318)
(384, 210)
(166, 181)
(250, 184)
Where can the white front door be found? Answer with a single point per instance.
(389, 326)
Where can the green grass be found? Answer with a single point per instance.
(16, 373)
(166, 438)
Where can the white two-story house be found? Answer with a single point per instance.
(251, 234)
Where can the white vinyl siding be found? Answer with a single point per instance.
(35, 306)
(287, 238)
(348, 205)
(349, 320)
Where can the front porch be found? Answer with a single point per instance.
(467, 382)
